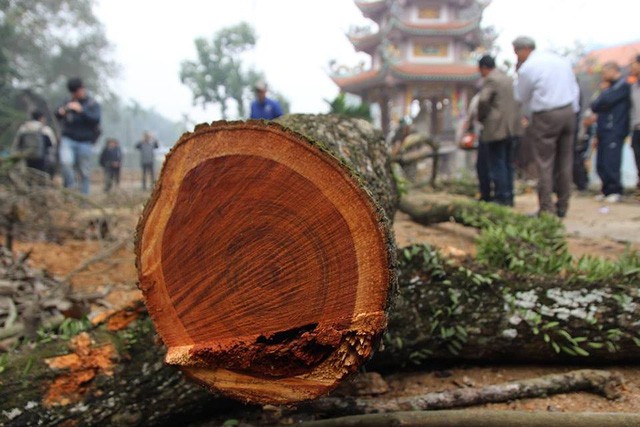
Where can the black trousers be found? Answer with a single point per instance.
(111, 178)
(609, 163)
(483, 171)
(635, 145)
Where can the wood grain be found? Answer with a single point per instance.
(263, 262)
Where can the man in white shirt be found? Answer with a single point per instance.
(547, 88)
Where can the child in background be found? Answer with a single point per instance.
(111, 160)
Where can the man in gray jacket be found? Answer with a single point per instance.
(147, 158)
(497, 111)
(635, 112)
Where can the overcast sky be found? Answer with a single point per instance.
(297, 39)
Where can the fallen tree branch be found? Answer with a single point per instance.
(604, 383)
(483, 418)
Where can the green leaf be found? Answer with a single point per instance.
(580, 351)
(597, 345)
(452, 350)
(549, 325)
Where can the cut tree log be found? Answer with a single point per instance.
(265, 254)
(138, 386)
(448, 311)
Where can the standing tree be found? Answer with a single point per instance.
(218, 76)
(44, 43)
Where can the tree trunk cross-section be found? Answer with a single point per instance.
(265, 262)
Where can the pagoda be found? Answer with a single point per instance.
(422, 52)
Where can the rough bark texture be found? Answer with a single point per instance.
(358, 144)
(447, 311)
(482, 418)
(118, 379)
(139, 389)
(265, 254)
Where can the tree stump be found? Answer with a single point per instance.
(265, 262)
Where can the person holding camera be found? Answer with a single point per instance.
(80, 120)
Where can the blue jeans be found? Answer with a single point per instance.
(501, 170)
(76, 156)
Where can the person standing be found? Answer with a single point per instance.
(111, 161)
(263, 107)
(634, 68)
(473, 126)
(147, 149)
(35, 141)
(496, 111)
(548, 89)
(80, 120)
(582, 150)
(613, 107)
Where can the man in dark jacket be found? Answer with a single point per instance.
(497, 110)
(634, 68)
(111, 161)
(613, 107)
(80, 120)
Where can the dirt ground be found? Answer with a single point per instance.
(593, 229)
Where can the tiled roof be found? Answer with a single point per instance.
(368, 42)
(622, 54)
(363, 80)
(407, 72)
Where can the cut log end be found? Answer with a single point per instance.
(264, 264)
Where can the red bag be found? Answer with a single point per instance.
(469, 141)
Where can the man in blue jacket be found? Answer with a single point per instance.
(80, 120)
(263, 107)
(634, 68)
(613, 107)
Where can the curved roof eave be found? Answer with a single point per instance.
(371, 9)
(362, 81)
(450, 29)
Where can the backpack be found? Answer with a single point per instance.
(33, 145)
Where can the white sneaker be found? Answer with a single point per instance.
(613, 198)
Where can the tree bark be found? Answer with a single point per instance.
(115, 378)
(265, 254)
(139, 389)
(447, 311)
